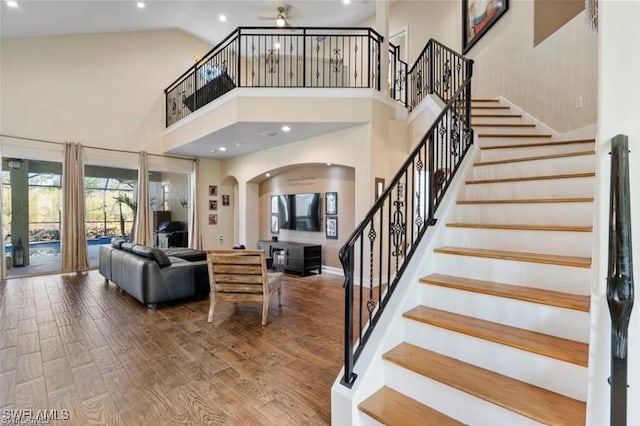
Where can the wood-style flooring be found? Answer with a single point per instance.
(70, 342)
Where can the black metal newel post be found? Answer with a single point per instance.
(469, 74)
(346, 258)
(620, 276)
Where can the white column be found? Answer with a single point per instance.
(248, 218)
(382, 27)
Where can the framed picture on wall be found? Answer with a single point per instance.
(331, 229)
(478, 16)
(225, 200)
(213, 219)
(274, 204)
(275, 226)
(213, 190)
(213, 204)
(331, 203)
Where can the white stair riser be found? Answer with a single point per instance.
(368, 421)
(578, 214)
(554, 321)
(522, 365)
(492, 120)
(566, 279)
(508, 153)
(545, 242)
(452, 402)
(502, 129)
(551, 188)
(553, 166)
(491, 141)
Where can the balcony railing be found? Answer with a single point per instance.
(278, 57)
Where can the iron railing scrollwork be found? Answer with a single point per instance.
(278, 57)
(620, 276)
(378, 251)
(439, 70)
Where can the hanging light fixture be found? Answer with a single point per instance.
(280, 20)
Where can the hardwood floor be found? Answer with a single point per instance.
(70, 342)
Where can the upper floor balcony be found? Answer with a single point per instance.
(274, 57)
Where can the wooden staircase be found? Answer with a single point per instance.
(500, 333)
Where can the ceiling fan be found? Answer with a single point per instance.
(282, 16)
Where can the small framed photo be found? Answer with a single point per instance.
(331, 203)
(213, 190)
(331, 230)
(275, 225)
(213, 219)
(225, 200)
(274, 204)
(213, 204)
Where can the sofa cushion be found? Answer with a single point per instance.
(127, 247)
(151, 253)
(161, 258)
(117, 242)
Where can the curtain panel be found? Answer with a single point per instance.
(142, 232)
(73, 236)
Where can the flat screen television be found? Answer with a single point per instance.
(299, 212)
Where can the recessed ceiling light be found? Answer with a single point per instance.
(222, 149)
(268, 174)
(222, 18)
(140, 5)
(285, 129)
(346, 1)
(12, 3)
(328, 164)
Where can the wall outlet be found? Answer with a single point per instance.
(220, 237)
(579, 102)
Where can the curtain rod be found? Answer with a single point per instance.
(95, 147)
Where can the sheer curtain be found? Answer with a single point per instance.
(73, 237)
(195, 241)
(142, 233)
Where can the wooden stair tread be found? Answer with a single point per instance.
(391, 407)
(531, 178)
(549, 259)
(527, 400)
(522, 227)
(503, 125)
(514, 135)
(490, 107)
(527, 294)
(486, 115)
(530, 201)
(534, 158)
(535, 145)
(542, 344)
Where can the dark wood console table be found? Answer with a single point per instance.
(297, 257)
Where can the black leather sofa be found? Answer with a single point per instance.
(151, 276)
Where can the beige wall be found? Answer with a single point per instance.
(209, 173)
(310, 179)
(438, 19)
(96, 89)
(544, 80)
